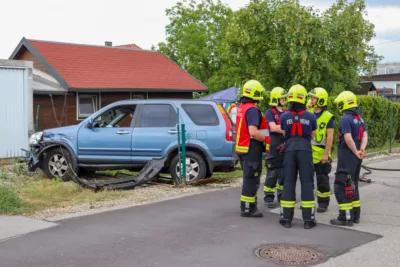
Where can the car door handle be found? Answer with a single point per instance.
(122, 132)
(173, 131)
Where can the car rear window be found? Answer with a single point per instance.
(201, 114)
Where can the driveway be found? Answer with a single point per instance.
(201, 230)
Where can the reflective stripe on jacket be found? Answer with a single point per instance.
(319, 141)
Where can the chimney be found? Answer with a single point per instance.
(108, 43)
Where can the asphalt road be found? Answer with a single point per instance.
(201, 230)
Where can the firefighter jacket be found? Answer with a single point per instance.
(242, 131)
(319, 141)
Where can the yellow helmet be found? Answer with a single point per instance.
(253, 89)
(346, 100)
(297, 93)
(276, 94)
(321, 94)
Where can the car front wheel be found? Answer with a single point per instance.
(56, 164)
(196, 168)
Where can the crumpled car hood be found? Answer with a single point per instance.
(61, 133)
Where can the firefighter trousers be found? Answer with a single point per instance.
(298, 162)
(273, 163)
(323, 187)
(347, 175)
(252, 168)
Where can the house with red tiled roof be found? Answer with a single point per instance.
(84, 78)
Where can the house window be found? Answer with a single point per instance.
(139, 95)
(87, 105)
(397, 92)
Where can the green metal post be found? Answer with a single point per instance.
(391, 129)
(37, 119)
(179, 146)
(184, 152)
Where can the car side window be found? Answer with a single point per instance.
(120, 116)
(201, 114)
(158, 115)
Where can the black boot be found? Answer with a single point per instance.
(268, 198)
(339, 222)
(356, 214)
(285, 223)
(322, 209)
(286, 217)
(250, 210)
(323, 204)
(310, 224)
(271, 204)
(309, 218)
(342, 220)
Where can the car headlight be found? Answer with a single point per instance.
(35, 138)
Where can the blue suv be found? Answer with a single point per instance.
(127, 134)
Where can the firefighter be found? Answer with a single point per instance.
(310, 106)
(274, 158)
(250, 144)
(352, 141)
(321, 145)
(299, 126)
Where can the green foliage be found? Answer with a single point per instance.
(278, 42)
(196, 40)
(3, 174)
(376, 114)
(282, 43)
(10, 203)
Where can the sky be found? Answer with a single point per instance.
(143, 22)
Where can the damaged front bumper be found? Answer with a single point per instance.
(32, 158)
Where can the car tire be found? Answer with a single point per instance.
(194, 161)
(56, 164)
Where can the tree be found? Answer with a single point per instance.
(196, 39)
(282, 43)
(278, 42)
(349, 34)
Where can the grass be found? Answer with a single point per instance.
(10, 201)
(44, 194)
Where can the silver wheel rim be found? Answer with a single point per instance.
(192, 169)
(58, 165)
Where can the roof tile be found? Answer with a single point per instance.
(97, 67)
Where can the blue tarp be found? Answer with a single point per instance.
(225, 96)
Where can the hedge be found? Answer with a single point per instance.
(375, 112)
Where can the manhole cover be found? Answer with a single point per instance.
(289, 254)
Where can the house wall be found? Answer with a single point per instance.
(184, 95)
(62, 115)
(66, 114)
(388, 84)
(108, 98)
(26, 55)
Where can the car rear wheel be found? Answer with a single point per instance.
(56, 164)
(196, 168)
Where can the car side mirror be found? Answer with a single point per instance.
(90, 123)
